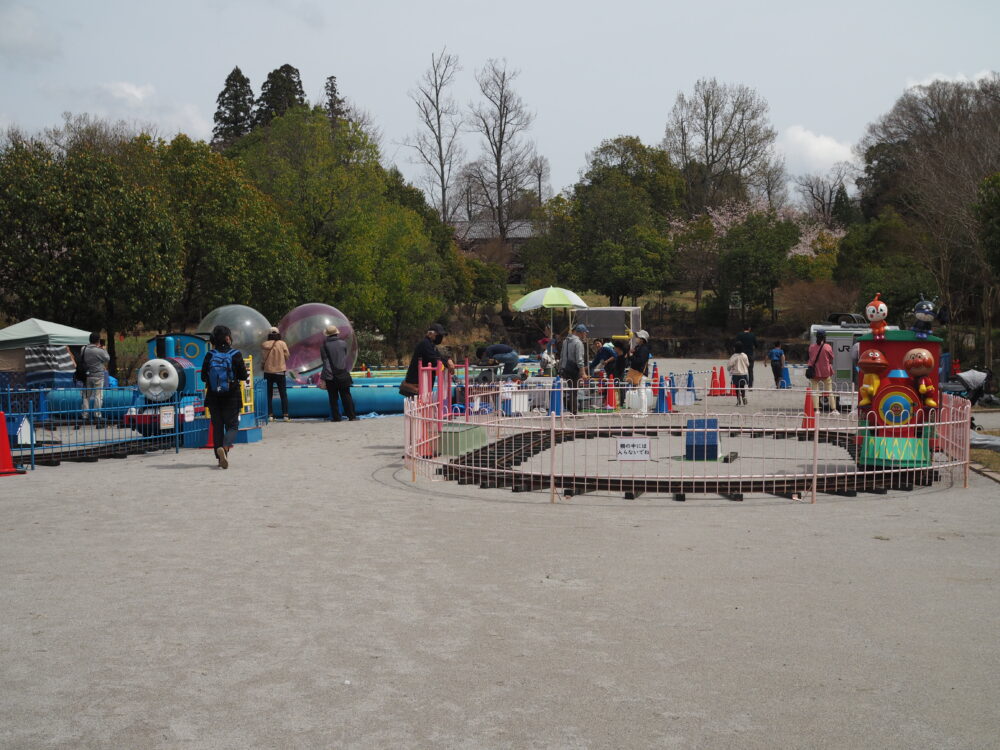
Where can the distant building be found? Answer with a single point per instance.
(481, 239)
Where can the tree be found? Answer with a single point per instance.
(336, 106)
(926, 158)
(281, 92)
(753, 258)
(721, 140)
(987, 209)
(845, 210)
(437, 143)
(234, 110)
(501, 119)
(819, 192)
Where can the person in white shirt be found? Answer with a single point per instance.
(739, 367)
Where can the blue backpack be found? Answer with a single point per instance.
(220, 371)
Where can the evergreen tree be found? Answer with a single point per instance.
(281, 91)
(336, 107)
(233, 115)
(844, 211)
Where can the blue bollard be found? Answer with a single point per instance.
(673, 388)
(690, 385)
(661, 397)
(786, 378)
(555, 397)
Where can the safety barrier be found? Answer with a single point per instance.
(524, 439)
(46, 427)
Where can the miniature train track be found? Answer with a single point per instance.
(493, 466)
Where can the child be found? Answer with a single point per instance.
(739, 367)
(777, 358)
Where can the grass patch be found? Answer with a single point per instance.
(989, 459)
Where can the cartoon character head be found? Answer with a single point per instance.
(918, 362)
(876, 310)
(873, 361)
(158, 379)
(924, 311)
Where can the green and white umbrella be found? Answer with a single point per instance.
(551, 297)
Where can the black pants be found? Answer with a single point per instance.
(225, 421)
(340, 386)
(776, 370)
(750, 371)
(276, 379)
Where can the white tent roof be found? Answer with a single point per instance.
(35, 332)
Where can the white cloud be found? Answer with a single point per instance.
(130, 93)
(807, 152)
(25, 37)
(948, 78)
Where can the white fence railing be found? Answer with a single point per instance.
(525, 438)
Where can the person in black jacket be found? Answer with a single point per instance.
(224, 408)
(425, 353)
(337, 374)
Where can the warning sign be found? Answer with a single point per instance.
(634, 449)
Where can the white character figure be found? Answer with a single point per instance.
(158, 379)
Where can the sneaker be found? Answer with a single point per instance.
(286, 419)
(270, 418)
(220, 453)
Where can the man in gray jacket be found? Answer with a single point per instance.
(573, 365)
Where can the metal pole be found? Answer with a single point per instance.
(815, 456)
(552, 459)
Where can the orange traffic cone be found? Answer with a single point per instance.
(670, 402)
(713, 389)
(6, 459)
(723, 388)
(210, 441)
(809, 420)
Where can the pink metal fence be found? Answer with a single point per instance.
(522, 437)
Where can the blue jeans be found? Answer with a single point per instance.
(509, 361)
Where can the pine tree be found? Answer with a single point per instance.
(336, 108)
(233, 115)
(844, 210)
(281, 91)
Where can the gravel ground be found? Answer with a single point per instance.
(313, 597)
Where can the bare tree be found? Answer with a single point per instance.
(771, 182)
(721, 139)
(538, 166)
(818, 192)
(437, 143)
(501, 119)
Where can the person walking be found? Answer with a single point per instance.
(748, 341)
(94, 358)
(776, 356)
(223, 371)
(573, 365)
(337, 374)
(275, 362)
(820, 371)
(738, 365)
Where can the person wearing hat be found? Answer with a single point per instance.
(426, 353)
(274, 362)
(573, 365)
(501, 353)
(639, 362)
(337, 374)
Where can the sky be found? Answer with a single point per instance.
(588, 70)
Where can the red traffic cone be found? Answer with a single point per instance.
(809, 420)
(6, 459)
(610, 394)
(210, 441)
(723, 388)
(670, 402)
(713, 389)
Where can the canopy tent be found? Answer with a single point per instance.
(34, 353)
(35, 332)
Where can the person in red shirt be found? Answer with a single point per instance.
(821, 359)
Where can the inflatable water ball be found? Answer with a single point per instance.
(249, 329)
(303, 329)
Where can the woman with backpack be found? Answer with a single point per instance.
(222, 371)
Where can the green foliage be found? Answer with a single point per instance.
(844, 211)
(753, 259)
(820, 265)
(234, 110)
(281, 92)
